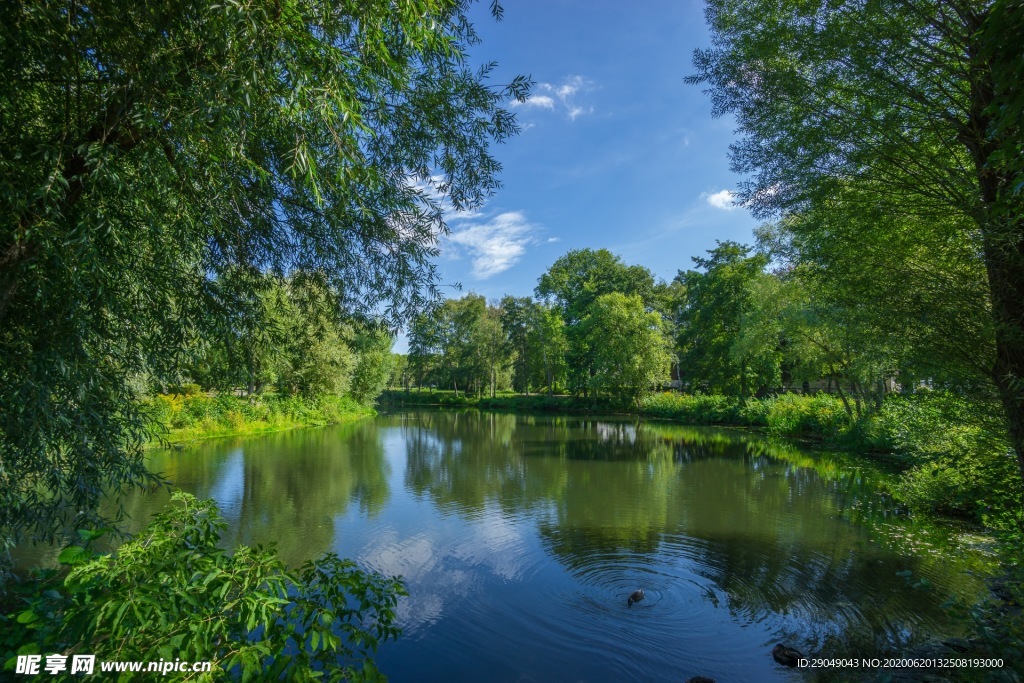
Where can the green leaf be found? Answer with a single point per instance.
(74, 555)
(27, 617)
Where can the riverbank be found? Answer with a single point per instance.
(185, 418)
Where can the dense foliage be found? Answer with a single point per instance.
(160, 158)
(173, 593)
(713, 318)
(460, 344)
(900, 116)
(180, 417)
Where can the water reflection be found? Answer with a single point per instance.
(287, 488)
(706, 518)
(520, 538)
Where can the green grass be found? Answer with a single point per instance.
(184, 418)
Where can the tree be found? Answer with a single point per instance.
(150, 148)
(549, 340)
(536, 340)
(518, 320)
(573, 283)
(374, 364)
(915, 100)
(630, 352)
(314, 357)
(490, 347)
(893, 297)
(714, 352)
(424, 342)
(400, 374)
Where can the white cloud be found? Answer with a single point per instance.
(432, 193)
(561, 97)
(542, 101)
(725, 199)
(495, 245)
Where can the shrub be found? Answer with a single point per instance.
(692, 408)
(174, 593)
(961, 462)
(794, 414)
(186, 390)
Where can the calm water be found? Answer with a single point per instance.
(520, 538)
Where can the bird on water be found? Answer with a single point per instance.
(786, 656)
(635, 596)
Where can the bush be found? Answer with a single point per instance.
(692, 408)
(174, 593)
(201, 416)
(960, 459)
(794, 415)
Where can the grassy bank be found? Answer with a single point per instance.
(191, 417)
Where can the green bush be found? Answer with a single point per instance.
(754, 413)
(795, 414)
(200, 416)
(692, 408)
(172, 592)
(186, 390)
(960, 461)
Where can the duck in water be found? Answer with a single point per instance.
(635, 596)
(786, 656)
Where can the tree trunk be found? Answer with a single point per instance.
(1005, 265)
(842, 396)
(1000, 219)
(743, 383)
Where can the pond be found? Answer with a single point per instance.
(521, 537)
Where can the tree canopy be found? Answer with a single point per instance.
(573, 283)
(712, 320)
(912, 104)
(158, 156)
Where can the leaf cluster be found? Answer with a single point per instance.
(173, 593)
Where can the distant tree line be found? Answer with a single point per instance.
(743, 322)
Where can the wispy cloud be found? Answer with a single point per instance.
(724, 199)
(495, 245)
(432, 193)
(561, 97)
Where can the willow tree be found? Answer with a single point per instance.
(917, 102)
(629, 347)
(154, 151)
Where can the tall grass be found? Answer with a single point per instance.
(187, 417)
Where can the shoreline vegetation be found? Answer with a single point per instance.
(950, 464)
(188, 416)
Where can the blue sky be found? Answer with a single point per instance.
(616, 152)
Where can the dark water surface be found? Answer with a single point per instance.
(520, 538)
